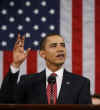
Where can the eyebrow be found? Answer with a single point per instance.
(57, 43)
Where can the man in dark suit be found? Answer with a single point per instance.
(32, 89)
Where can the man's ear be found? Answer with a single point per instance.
(42, 54)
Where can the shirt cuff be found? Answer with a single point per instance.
(14, 70)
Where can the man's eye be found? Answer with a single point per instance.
(53, 46)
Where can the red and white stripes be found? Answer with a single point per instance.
(78, 29)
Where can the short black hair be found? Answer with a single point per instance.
(43, 41)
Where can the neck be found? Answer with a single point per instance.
(54, 67)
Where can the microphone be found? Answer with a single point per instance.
(52, 81)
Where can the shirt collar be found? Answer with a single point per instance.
(58, 72)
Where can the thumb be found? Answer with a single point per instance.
(27, 51)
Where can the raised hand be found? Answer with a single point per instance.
(19, 54)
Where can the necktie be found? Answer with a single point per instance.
(52, 91)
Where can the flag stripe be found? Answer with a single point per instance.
(89, 42)
(32, 62)
(7, 60)
(97, 45)
(1, 67)
(77, 36)
(66, 29)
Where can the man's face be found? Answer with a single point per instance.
(55, 51)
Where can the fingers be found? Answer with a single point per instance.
(19, 36)
(19, 45)
(20, 41)
(27, 51)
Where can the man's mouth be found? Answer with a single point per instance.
(60, 55)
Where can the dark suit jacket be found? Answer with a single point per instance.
(32, 89)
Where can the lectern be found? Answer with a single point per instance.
(48, 107)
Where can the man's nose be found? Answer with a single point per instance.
(60, 48)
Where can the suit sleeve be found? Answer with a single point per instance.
(84, 96)
(20, 91)
(8, 88)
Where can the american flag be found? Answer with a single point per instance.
(78, 21)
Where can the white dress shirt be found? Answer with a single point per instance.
(58, 78)
(14, 70)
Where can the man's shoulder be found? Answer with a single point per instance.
(26, 77)
(31, 76)
(75, 77)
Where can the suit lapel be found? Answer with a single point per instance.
(43, 88)
(65, 91)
